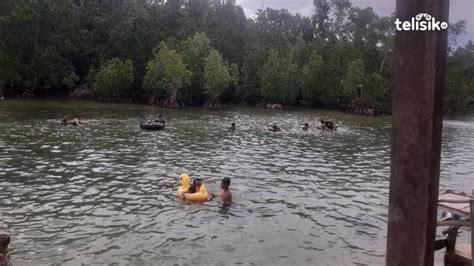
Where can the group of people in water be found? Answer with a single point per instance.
(325, 125)
(160, 119)
(78, 122)
(198, 187)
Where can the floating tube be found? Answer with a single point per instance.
(201, 195)
(152, 125)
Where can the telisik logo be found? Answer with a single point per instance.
(421, 22)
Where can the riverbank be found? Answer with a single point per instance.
(86, 95)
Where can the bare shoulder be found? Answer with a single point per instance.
(227, 197)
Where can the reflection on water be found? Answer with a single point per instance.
(105, 193)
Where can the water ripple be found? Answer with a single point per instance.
(105, 193)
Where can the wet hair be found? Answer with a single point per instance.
(192, 189)
(226, 181)
(233, 124)
(322, 121)
(196, 180)
(306, 124)
(4, 240)
(275, 126)
(329, 124)
(160, 115)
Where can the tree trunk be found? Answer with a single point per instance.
(383, 61)
(174, 100)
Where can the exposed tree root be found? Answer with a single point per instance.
(361, 110)
(213, 104)
(174, 101)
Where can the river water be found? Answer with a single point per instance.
(105, 193)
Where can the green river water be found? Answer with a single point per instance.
(105, 193)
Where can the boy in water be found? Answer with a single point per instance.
(200, 187)
(226, 194)
(4, 242)
(191, 189)
(322, 126)
(161, 119)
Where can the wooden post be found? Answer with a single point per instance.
(420, 65)
(472, 232)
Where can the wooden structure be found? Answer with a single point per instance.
(461, 206)
(420, 66)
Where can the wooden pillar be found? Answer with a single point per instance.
(472, 232)
(420, 62)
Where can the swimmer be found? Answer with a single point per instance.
(191, 189)
(306, 126)
(274, 128)
(4, 242)
(327, 125)
(74, 122)
(160, 119)
(199, 186)
(233, 127)
(226, 194)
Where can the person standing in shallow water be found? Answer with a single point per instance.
(226, 194)
(233, 127)
(4, 242)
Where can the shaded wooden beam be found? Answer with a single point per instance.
(420, 66)
(472, 232)
(454, 223)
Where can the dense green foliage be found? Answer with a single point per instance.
(340, 57)
(112, 81)
(279, 79)
(166, 71)
(216, 78)
(195, 50)
(459, 94)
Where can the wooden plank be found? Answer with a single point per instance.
(455, 201)
(420, 65)
(454, 198)
(455, 204)
(454, 223)
(461, 255)
(464, 250)
(462, 212)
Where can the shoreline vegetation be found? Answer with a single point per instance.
(178, 53)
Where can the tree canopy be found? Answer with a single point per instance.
(340, 57)
(168, 72)
(216, 78)
(112, 81)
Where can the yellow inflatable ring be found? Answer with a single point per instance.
(201, 195)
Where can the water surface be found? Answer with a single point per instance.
(105, 193)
